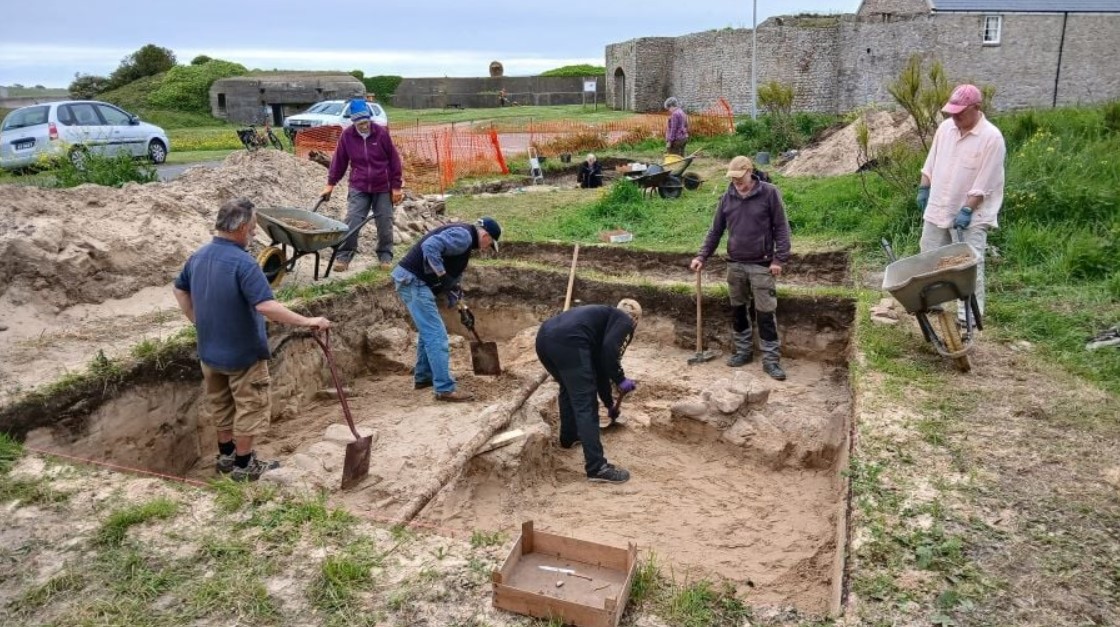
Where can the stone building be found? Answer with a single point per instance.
(242, 99)
(1036, 53)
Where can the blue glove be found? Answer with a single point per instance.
(614, 412)
(454, 295)
(923, 197)
(627, 386)
(963, 218)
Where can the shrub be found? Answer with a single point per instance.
(147, 61)
(87, 86)
(102, 170)
(1112, 117)
(187, 87)
(582, 69)
(383, 86)
(922, 95)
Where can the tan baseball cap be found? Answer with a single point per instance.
(739, 166)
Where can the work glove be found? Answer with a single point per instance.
(963, 218)
(923, 197)
(614, 412)
(454, 295)
(627, 386)
(466, 317)
(326, 195)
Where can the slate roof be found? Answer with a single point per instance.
(1028, 6)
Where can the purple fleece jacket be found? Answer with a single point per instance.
(758, 231)
(374, 163)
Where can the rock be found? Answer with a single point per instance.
(340, 434)
(694, 408)
(739, 433)
(726, 401)
(3, 327)
(880, 319)
(329, 454)
(305, 463)
(387, 340)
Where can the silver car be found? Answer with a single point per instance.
(331, 112)
(73, 129)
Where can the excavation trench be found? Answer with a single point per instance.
(734, 476)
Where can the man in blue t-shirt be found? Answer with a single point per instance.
(225, 294)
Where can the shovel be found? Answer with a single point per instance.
(355, 466)
(484, 355)
(701, 355)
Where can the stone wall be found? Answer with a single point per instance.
(840, 63)
(480, 92)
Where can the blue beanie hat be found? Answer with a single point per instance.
(359, 110)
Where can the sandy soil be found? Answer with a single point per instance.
(839, 153)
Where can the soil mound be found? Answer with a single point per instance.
(91, 243)
(839, 153)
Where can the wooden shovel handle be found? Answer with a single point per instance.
(699, 318)
(571, 278)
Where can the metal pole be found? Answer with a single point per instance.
(754, 61)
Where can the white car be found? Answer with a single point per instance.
(75, 128)
(330, 113)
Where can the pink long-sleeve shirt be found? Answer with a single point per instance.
(962, 165)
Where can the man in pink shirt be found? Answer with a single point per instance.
(962, 180)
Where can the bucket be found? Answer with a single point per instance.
(762, 158)
(691, 180)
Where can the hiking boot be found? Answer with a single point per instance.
(610, 474)
(456, 396)
(341, 266)
(420, 385)
(224, 464)
(774, 370)
(740, 359)
(253, 470)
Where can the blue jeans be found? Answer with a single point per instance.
(433, 355)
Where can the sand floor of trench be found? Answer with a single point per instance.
(704, 508)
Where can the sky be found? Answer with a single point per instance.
(47, 41)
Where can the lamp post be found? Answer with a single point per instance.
(754, 61)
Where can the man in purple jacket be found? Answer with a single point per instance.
(757, 247)
(375, 182)
(676, 135)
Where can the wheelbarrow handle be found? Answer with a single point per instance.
(315, 209)
(887, 249)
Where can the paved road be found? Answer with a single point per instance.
(170, 172)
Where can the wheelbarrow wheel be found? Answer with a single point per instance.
(274, 264)
(951, 335)
(671, 189)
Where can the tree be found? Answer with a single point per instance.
(87, 86)
(201, 59)
(922, 95)
(147, 61)
(358, 74)
(777, 100)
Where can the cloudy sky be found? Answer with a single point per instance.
(47, 41)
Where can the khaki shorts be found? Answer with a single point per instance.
(239, 401)
(746, 281)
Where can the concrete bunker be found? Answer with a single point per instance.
(734, 476)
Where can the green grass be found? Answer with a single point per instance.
(196, 156)
(481, 539)
(205, 138)
(282, 521)
(114, 530)
(401, 117)
(10, 452)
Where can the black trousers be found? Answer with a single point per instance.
(572, 367)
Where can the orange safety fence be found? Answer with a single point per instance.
(436, 156)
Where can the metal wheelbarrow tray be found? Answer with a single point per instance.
(324, 233)
(926, 279)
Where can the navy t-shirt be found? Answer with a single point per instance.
(226, 285)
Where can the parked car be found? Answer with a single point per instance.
(330, 112)
(75, 128)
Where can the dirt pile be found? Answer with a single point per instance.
(839, 153)
(91, 243)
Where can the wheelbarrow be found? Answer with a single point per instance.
(306, 232)
(667, 178)
(924, 282)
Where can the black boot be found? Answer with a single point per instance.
(774, 370)
(744, 349)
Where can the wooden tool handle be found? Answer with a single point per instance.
(699, 319)
(571, 278)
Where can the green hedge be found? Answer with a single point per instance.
(187, 87)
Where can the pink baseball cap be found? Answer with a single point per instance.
(964, 96)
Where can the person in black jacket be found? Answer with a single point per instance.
(582, 349)
(590, 173)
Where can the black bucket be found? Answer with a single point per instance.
(691, 180)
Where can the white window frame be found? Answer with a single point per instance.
(986, 33)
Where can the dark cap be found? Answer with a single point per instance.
(491, 226)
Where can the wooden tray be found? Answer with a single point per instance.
(595, 596)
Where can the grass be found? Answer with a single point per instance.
(196, 156)
(282, 521)
(400, 117)
(115, 529)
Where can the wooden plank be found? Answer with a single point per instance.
(539, 606)
(581, 550)
(502, 439)
(527, 537)
(624, 594)
(515, 553)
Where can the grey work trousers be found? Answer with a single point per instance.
(358, 206)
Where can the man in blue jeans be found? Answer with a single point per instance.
(225, 294)
(432, 267)
(582, 349)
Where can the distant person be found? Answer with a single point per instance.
(582, 349)
(433, 267)
(266, 115)
(962, 180)
(590, 173)
(225, 294)
(375, 182)
(758, 244)
(502, 97)
(676, 134)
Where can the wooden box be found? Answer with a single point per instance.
(595, 586)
